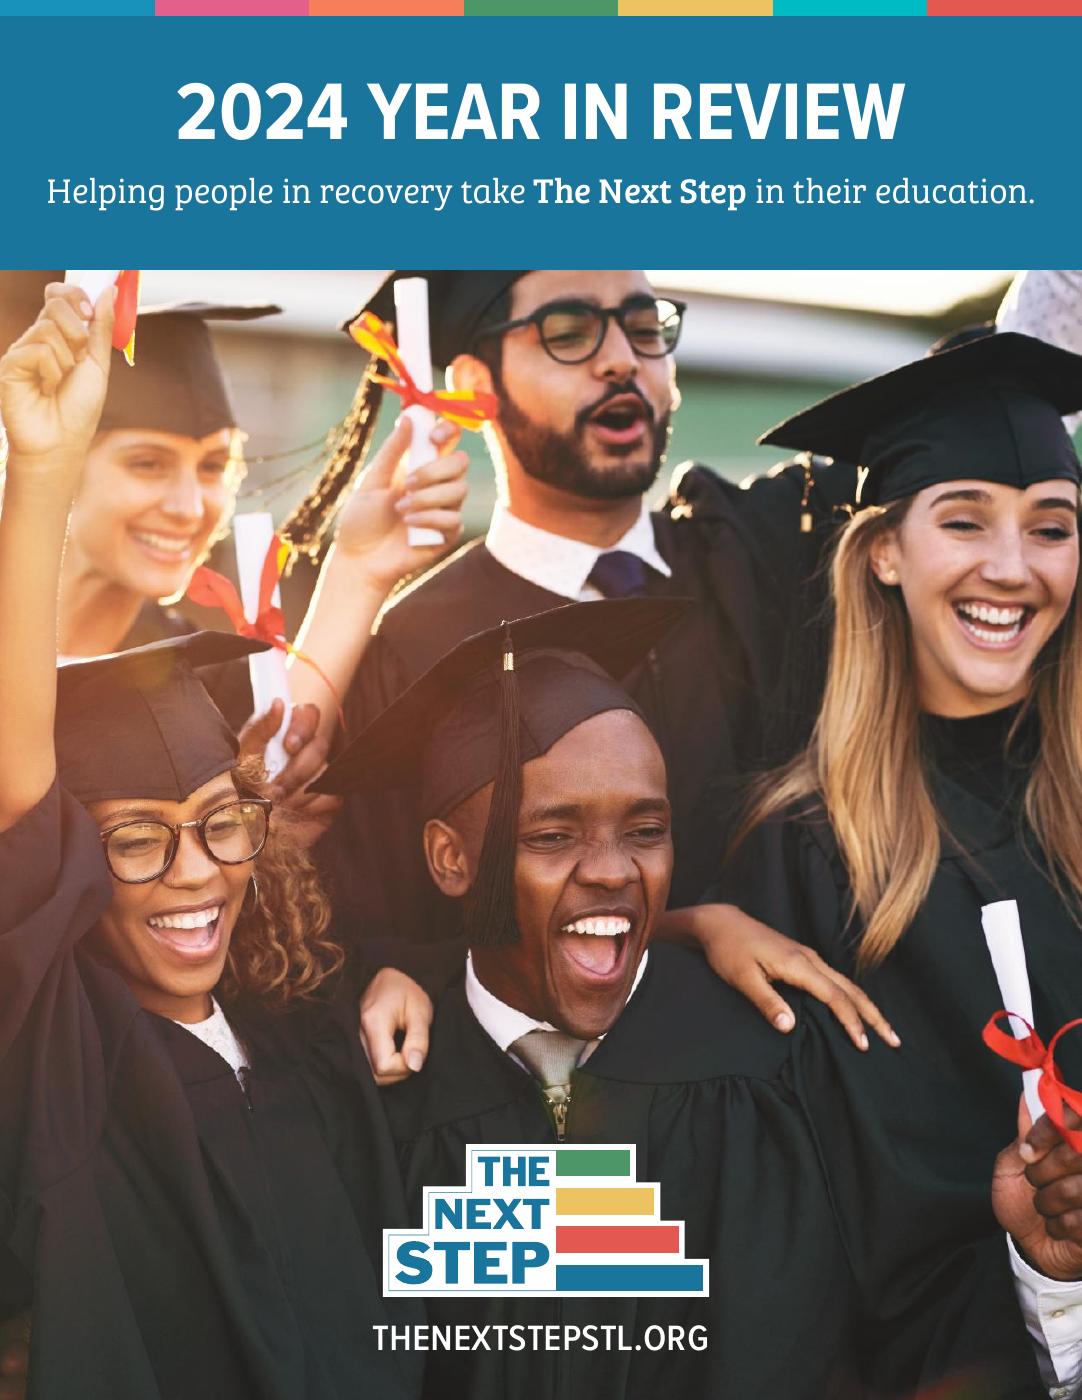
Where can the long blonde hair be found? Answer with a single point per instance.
(865, 763)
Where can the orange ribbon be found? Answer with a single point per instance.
(466, 408)
(213, 590)
(126, 312)
(1032, 1053)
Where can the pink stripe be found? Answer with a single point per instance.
(231, 7)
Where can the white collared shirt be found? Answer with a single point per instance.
(561, 565)
(505, 1025)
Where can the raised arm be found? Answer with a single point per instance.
(371, 553)
(52, 387)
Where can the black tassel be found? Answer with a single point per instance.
(308, 522)
(489, 911)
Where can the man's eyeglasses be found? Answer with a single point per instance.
(140, 851)
(574, 331)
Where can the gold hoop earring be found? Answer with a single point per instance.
(253, 890)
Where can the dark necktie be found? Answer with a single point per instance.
(550, 1056)
(619, 574)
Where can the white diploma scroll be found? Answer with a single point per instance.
(411, 327)
(92, 283)
(1003, 934)
(252, 535)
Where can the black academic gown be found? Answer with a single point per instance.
(704, 689)
(845, 1282)
(172, 1237)
(937, 987)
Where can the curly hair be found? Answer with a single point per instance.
(281, 951)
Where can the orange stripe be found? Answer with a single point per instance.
(386, 7)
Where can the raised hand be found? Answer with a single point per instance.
(372, 529)
(53, 379)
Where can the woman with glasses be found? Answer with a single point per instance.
(194, 1169)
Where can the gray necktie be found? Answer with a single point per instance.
(550, 1056)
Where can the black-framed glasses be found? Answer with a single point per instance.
(572, 331)
(140, 851)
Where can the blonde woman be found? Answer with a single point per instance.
(945, 770)
(194, 1169)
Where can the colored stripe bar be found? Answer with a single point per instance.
(563, 8)
(850, 7)
(696, 7)
(604, 1200)
(592, 1161)
(617, 1239)
(1025, 8)
(629, 1278)
(231, 8)
(386, 8)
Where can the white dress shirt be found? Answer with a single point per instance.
(505, 1025)
(559, 564)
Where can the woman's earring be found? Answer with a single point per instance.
(253, 890)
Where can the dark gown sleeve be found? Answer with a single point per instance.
(935, 1289)
(52, 1067)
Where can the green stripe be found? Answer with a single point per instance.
(541, 7)
(592, 1161)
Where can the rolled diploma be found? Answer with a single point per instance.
(92, 283)
(1003, 934)
(252, 535)
(411, 324)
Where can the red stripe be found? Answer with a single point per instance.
(617, 1239)
(1005, 7)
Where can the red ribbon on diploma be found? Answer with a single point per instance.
(214, 590)
(1032, 1053)
(467, 408)
(127, 310)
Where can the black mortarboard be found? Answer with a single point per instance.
(22, 295)
(496, 701)
(140, 723)
(458, 306)
(987, 410)
(176, 384)
(459, 303)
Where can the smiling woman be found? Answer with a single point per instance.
(184, 1114)
(944, 776)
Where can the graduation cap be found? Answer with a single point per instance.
(22, 295)
(176, 384)
(140, 723)
(990, 409)
(499, 699)
(459, 304)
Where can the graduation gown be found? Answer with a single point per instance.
(832, 1275)
(737, 554)
(174, 1237)
(937, 987)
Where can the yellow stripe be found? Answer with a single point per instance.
(604, 1200)
(696, 7)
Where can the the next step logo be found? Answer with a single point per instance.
(544, 1222)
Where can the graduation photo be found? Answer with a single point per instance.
(621, 725)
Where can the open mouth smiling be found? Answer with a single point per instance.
(190, 933)
(991, 625)
(597, 944)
